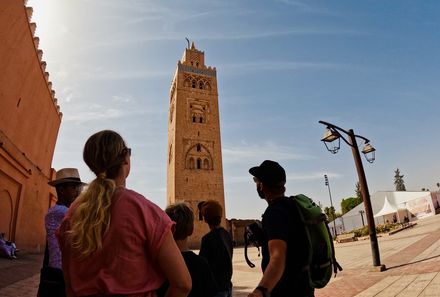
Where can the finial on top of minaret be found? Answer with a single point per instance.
(193, 47)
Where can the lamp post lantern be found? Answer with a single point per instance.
(331, 204)
(332, 134)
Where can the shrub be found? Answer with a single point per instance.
(383, 228)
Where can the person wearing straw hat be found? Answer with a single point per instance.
(68, 186)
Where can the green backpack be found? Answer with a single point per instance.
(321, 261)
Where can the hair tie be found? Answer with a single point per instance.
(102, 175)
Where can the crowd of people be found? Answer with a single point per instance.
(108, 240)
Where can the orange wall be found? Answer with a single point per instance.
(29, 124)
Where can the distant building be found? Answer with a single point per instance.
(29, 122)
(194, 166)
(398, 205)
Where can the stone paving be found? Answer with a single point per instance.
(412, 258)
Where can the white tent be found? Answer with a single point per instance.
(387, 208)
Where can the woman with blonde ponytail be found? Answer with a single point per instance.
(115, 242)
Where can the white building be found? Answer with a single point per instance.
(398, 205)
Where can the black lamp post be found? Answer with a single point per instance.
(331, 204)
(362, 216)
(332, 134)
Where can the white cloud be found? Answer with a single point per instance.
(245, 152)
(93, 115)
(305, 7)
(104, 74)
(123, 98)
(291, 176)
(280, 65)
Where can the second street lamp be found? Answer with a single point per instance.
(335, 234)
(332, 134)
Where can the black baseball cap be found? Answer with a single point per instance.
(270, 173)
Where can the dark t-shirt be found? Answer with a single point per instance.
(281, 221)
(203, 283)
(216, 248)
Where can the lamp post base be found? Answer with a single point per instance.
(379, 268)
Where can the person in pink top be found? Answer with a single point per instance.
(114, 241)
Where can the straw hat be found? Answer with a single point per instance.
(66, 175)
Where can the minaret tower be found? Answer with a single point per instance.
(194, 166)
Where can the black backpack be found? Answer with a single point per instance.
(253, 234)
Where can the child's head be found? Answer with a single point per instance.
(183, 216)
(211, 211)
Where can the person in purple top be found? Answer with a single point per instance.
(68, 186)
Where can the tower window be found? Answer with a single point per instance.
(201, 85)
(199, 164)
(199, 148)
(194, 119)
(206, 164)
(193, 84)
(191, 163)
(197, 64)
(201, 120)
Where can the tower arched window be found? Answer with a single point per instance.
(193, 84)
(187, 82)
(201, 85)
(201, 120)
(191, 163)
(199, 163)
(194, 119)
(206, 164)
(199, 148)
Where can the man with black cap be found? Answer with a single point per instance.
(285, 244)
(68, 186)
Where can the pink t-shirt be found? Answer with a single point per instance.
(127, 263)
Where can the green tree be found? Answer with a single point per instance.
(330, 213)
(348, 204)
(398, 181)
(358, 192)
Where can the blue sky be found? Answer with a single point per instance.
(372, 66)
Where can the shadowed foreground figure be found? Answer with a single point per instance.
(203, 283)
(216, 247)
(285, 247)
(113, 240)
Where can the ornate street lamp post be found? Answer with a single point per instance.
(332, 134)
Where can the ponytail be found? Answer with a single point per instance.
(91, 218)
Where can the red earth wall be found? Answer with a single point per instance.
(29, 124)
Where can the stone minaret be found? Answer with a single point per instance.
(194, 166)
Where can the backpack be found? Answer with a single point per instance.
(253, 234)
(322, 261)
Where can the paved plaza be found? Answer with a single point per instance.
(412, 258)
